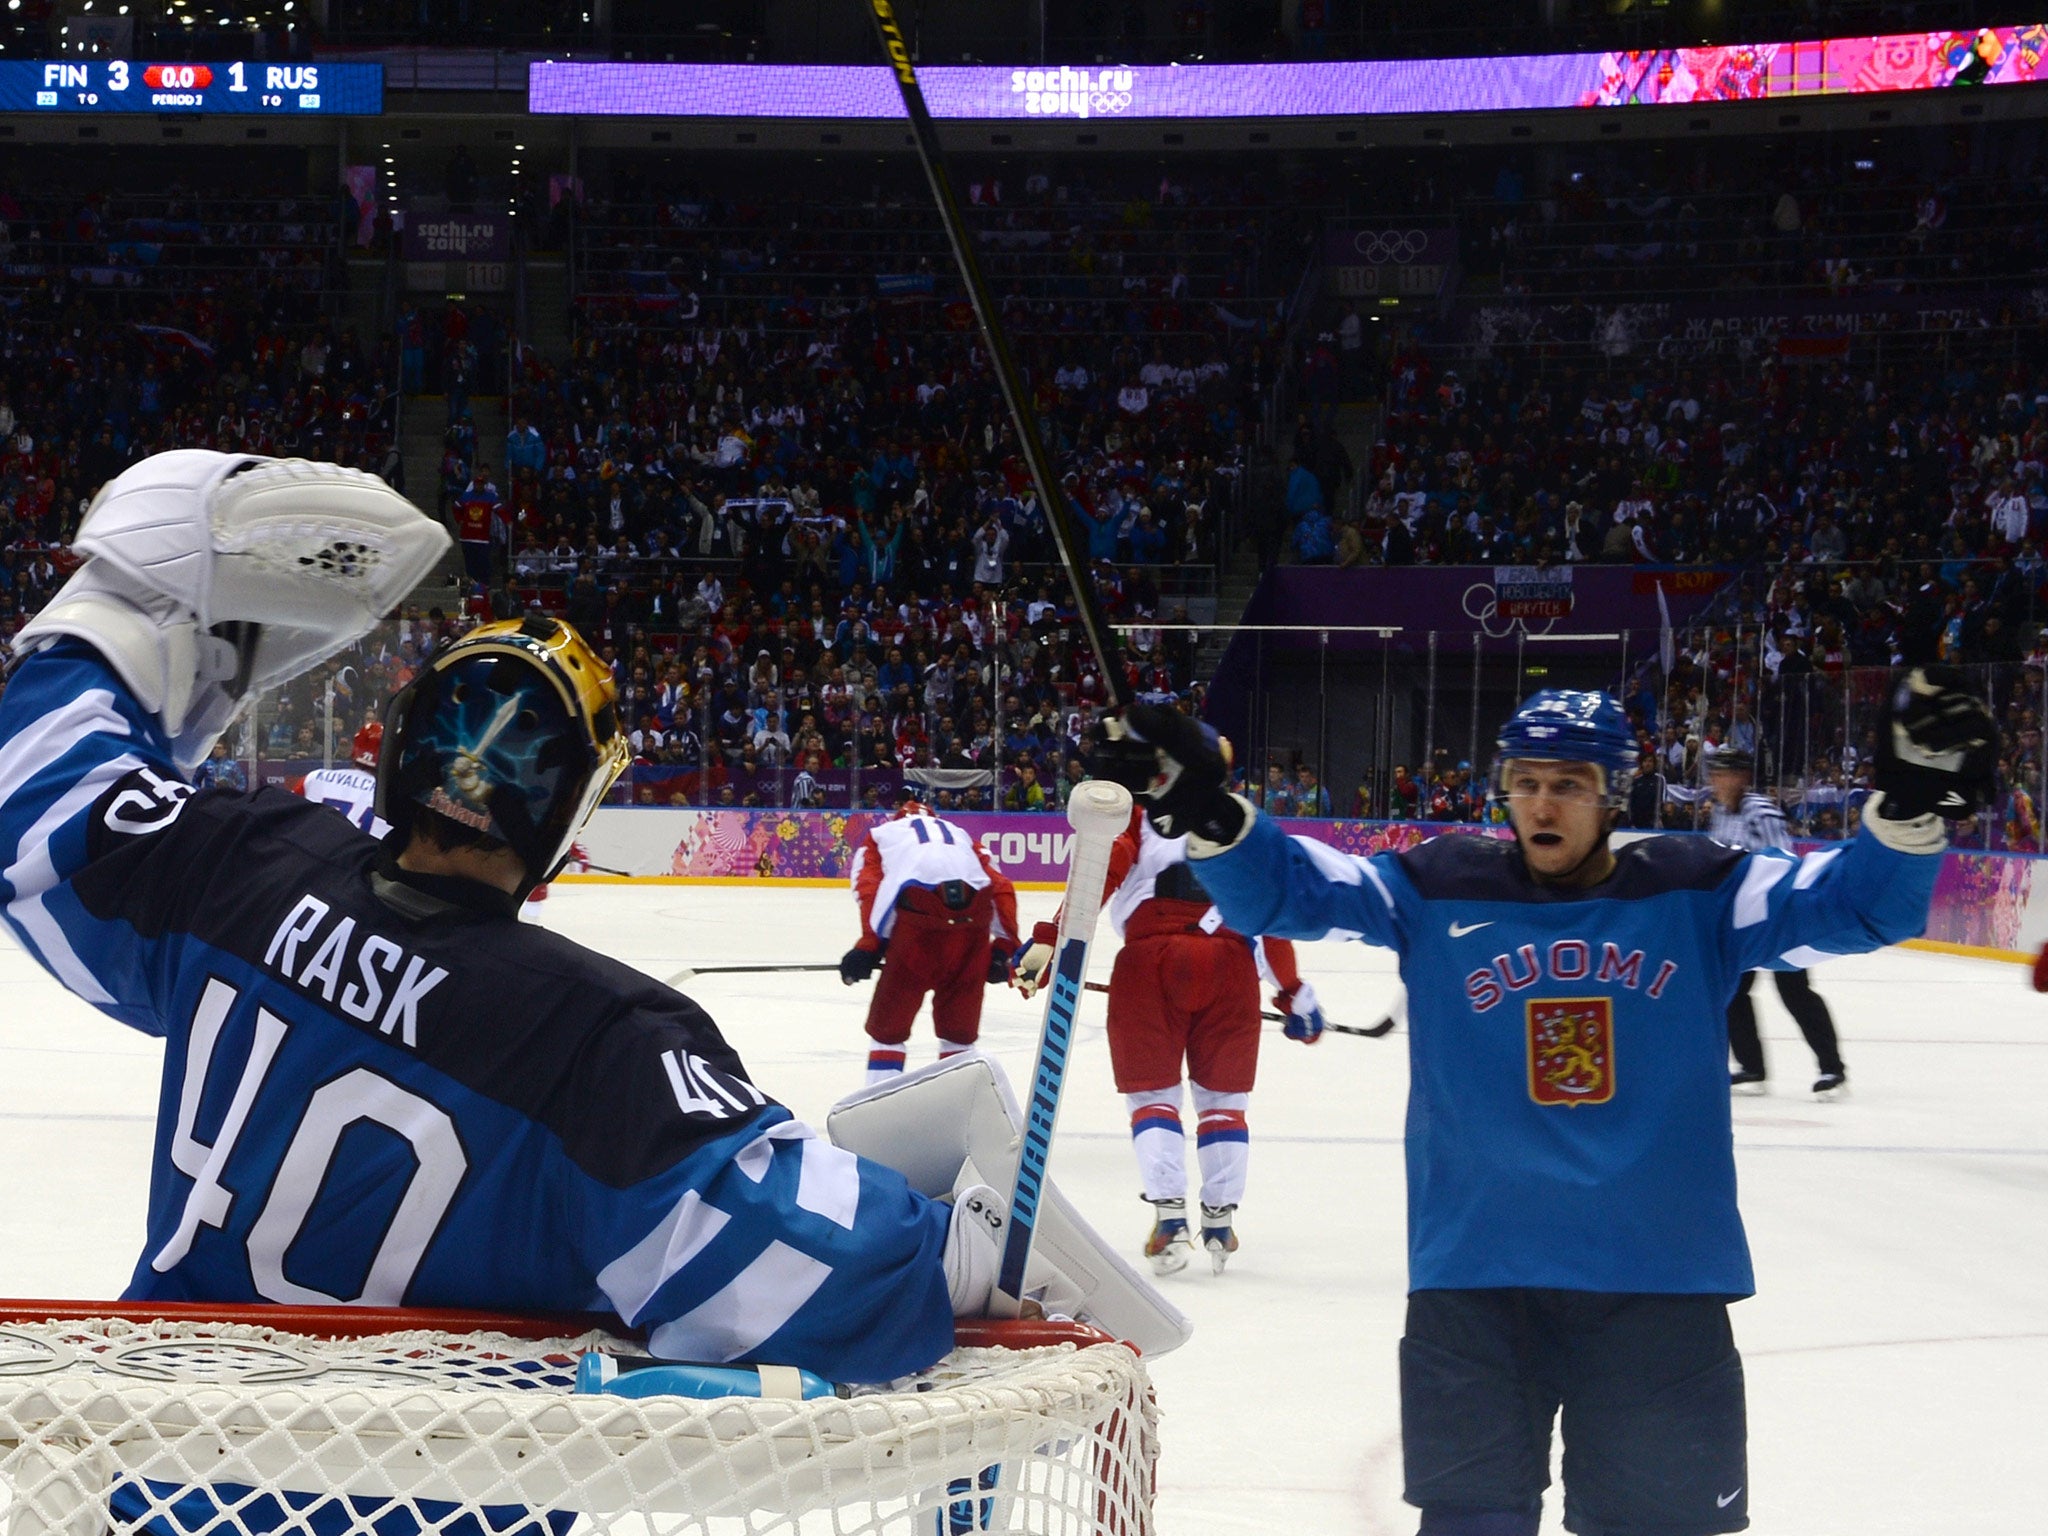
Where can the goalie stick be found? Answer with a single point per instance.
(1098, 812)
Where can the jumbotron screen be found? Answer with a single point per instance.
(237, 87)
(1915, 61)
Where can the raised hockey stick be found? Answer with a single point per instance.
(1057, 518)
(1098, 812)
(1371, 1032)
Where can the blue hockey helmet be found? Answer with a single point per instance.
(1570, 725)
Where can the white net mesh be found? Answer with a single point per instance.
(217, 1428)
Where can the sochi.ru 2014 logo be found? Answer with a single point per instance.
(1065, 92)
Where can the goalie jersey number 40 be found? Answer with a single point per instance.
(387, 1091)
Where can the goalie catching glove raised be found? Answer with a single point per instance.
(210, 577)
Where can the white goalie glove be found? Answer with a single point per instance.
(212, 576)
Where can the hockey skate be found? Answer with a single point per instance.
(1217, 1237)
(1830, 1086)
(1751, 1083)
(1167, 1247)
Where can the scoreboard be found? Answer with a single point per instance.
(241, 86)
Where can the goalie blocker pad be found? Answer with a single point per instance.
(952, 1124)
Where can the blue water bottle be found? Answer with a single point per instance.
(633, 1377)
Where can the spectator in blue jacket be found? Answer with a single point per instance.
(1147, 540)
(878, 556)
(895, 672)
(1315, 538)
(1101, 532)
(525, 448)
(1304, 491)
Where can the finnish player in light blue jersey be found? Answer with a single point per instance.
(1574, 1240)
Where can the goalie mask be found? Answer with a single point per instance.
(511, 732)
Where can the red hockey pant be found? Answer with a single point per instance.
(1184, 996)
(936, 951)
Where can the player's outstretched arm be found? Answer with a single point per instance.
(207, 577)
(1937, 749)
(1295, 888)
(1262, 880)
(1786, 912)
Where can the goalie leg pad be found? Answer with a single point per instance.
(956, 1124)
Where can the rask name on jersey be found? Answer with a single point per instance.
(369, 962)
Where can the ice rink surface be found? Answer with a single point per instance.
(1897, 1353)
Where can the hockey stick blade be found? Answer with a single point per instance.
(1371, 1032)
(689, 971)
(1098, 813)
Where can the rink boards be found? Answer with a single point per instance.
(1986, 905)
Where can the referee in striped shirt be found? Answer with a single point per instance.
(1744, 819)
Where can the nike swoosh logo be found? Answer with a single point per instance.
(1459, 930)
(1722, 1501)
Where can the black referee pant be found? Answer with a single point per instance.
(1795, 991)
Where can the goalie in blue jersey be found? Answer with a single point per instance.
(379, 1088)
(1573, 1234)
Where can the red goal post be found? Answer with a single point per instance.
(225, 1420)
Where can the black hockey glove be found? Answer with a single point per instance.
(1191, 765)
(858, 964)
(1937, 748)
(1121, 758)
(998, 966)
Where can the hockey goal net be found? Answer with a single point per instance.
(221, 1421)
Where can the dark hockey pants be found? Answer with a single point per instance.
(1795, 991)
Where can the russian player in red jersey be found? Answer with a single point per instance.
(1184, 1013)
(935, 904)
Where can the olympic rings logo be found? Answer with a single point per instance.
(1485, 612)
(1108, 102)
(1389, 247)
